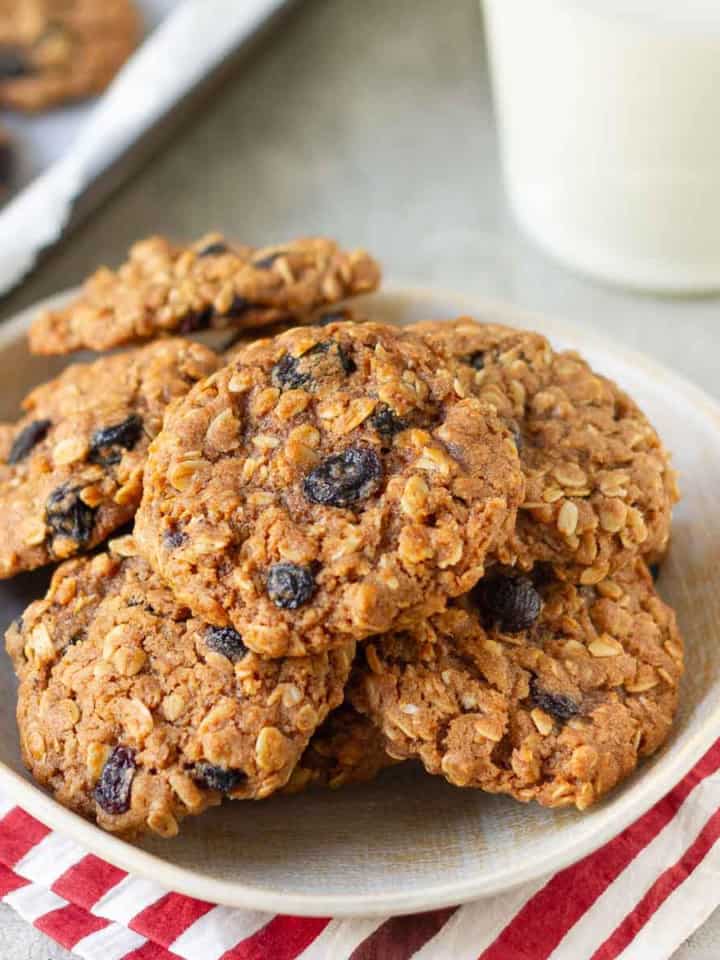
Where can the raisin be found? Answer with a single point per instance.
(294, 373)
(511, 603)
(476, 359)
(112, 792)
(386, 421)
(226, 641)
(655, 571)
(67, 515)
(346, 361)
(107, 444)
(214, 249)
(196, 320)
(13, 63)
(218, 778)
(344, 478)
(543, 575)
(558, 705)
(287, 375)
(264, 263)
(174, 538)
(289, 586)
(325, 346)
(23, 443)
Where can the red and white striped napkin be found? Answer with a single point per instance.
(638, 897)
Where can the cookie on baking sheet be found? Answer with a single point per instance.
(71, 467)
(348, 748)
(136, 714)
(599, 484)
(57, 50)
(164, 288)
(543, 690)
(327, 484)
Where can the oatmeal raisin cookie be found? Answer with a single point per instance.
(541, 689)
(57, 50)
(328, 484)
(137, 714)
(599, 484)
(165, 288)
(71, 468)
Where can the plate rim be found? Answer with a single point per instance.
(628, 806)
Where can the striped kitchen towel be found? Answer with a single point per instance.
(638, 897)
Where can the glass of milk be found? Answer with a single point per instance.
(609, 119)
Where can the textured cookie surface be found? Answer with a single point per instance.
(164, 288)
(327, 484)
(136, 714)
(71, 468)
(348, 748)
(57, 50)
(545, 691)
(599, 485)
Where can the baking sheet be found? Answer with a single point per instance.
(66, 151)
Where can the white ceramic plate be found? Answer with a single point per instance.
(408, 842)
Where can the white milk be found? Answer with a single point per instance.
(609, 116)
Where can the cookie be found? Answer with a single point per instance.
(165, 288)
(136, 714)
(599, 484)
(327, 484)
(345, 750)
(52, 51)
(543, 690)
(71, 467)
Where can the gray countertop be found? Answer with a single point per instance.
(371, 121)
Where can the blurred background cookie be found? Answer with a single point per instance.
(52, 51)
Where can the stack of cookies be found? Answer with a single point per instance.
(335, 548)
